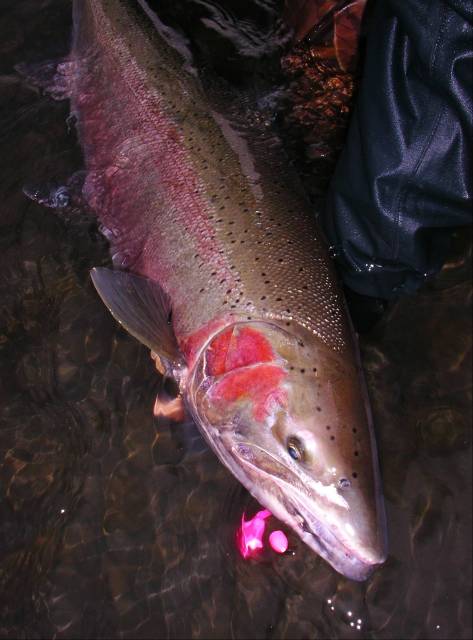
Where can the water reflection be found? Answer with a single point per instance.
(113, 524)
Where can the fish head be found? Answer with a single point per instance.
(289, 417)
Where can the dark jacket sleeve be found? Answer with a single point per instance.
(404, 179)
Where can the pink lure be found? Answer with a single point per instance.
(250, 538)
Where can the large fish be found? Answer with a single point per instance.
(222, 273)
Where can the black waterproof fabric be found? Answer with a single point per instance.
(404, 179)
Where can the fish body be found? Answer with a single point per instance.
(222, 271)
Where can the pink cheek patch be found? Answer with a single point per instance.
(248, 347)
(235, 348)
(260, 385)
(217, 353)
(242, 361)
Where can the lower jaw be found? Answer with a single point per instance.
(349, 566)
(343, 559)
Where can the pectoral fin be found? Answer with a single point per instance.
(142, 307)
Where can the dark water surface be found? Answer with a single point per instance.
(113, 525)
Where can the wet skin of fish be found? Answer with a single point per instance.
(221, 271)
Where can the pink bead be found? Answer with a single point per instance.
(278, 541)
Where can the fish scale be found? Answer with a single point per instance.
(216, 217)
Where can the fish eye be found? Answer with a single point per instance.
(295, 448)
(344, 483)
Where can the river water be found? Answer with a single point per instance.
(115, 525)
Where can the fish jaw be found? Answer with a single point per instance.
(248, 396)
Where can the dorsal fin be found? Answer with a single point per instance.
(142, 307)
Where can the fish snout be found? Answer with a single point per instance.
(363, 527)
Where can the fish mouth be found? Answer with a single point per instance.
(350, 562)
(286, 502)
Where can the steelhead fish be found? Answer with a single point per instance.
(222, 273)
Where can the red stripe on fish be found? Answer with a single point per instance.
(260, 385)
